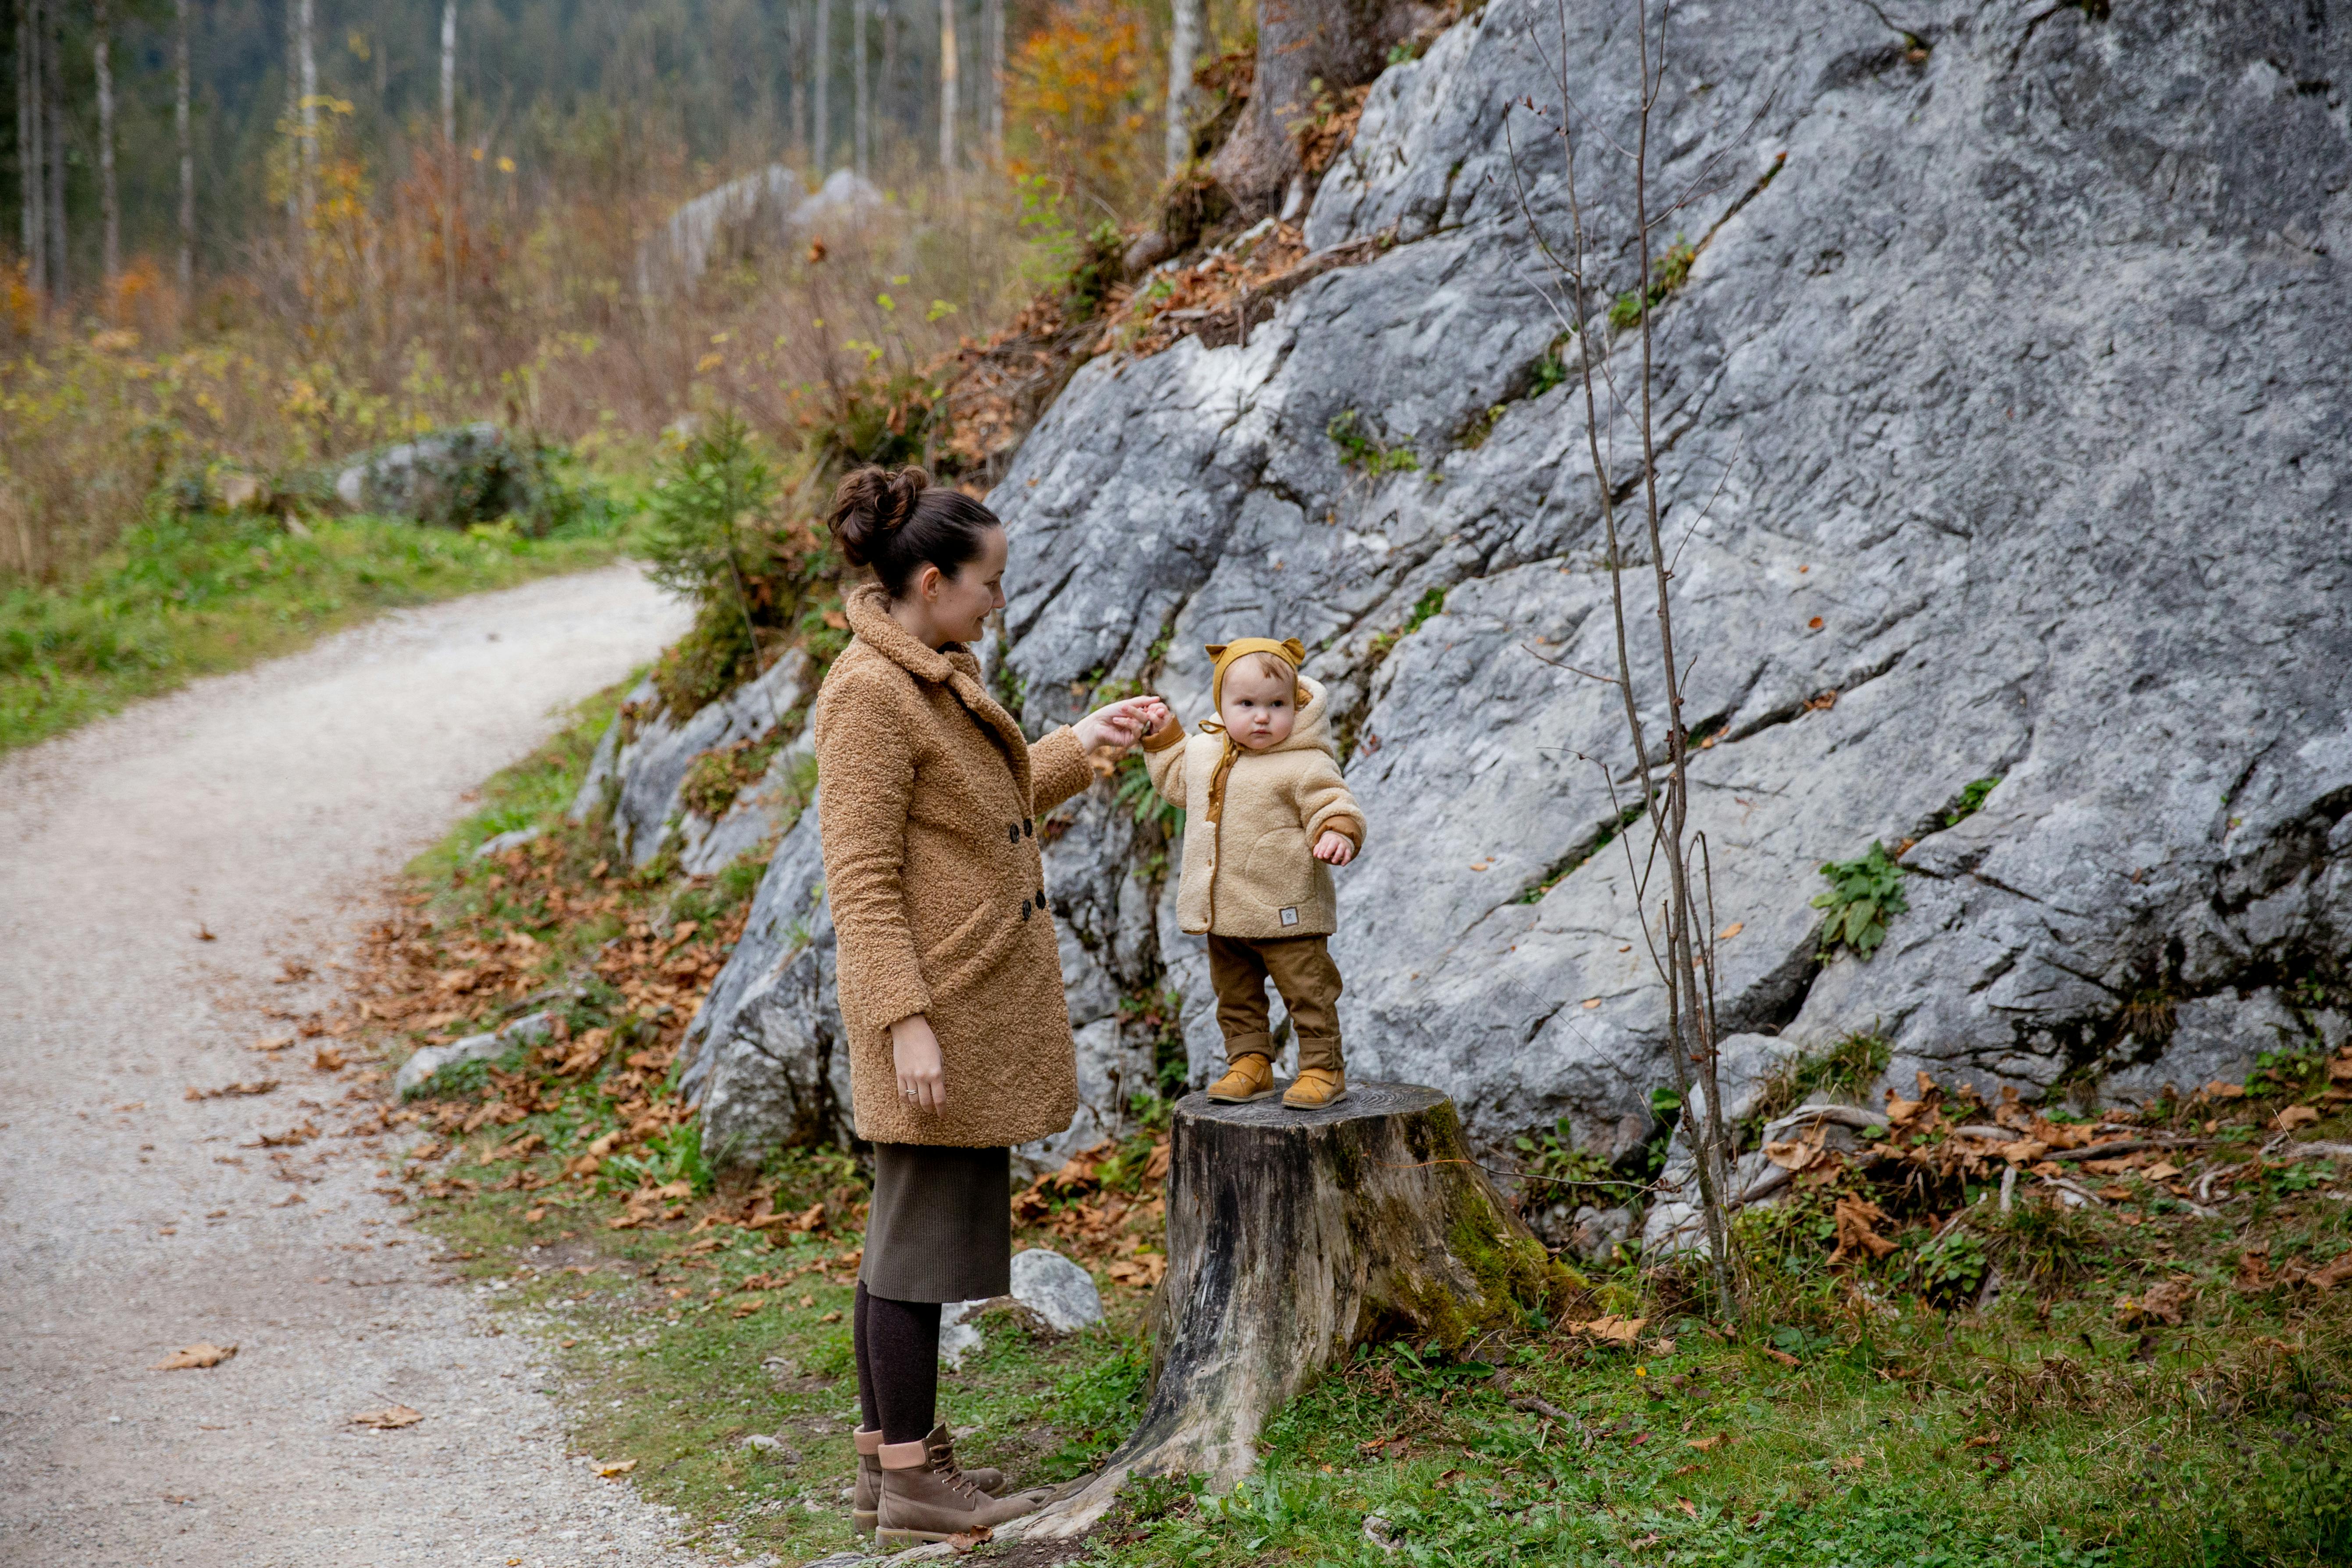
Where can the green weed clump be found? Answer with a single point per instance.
(1863, 894)
(1363, 447)
(1668, 272)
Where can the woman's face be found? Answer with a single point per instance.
(957, 607)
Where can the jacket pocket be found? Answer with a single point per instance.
(1281, 869)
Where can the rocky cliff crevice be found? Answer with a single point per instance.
(2007, 418)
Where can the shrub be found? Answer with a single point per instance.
(1861, 894)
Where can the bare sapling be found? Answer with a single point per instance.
(1672, 882)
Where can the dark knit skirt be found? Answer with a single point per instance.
(940, 1228)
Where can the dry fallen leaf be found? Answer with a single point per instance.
(1590, 1003)
(1734, 929)
(1708, 1445)
(2162, 1171)
(329, 1060)
(271, 1043)
(613, 1472)
(1851, 1462)
(830, 1318)
(1616, 1331)
(1783, 1357)
(2296, 1116)
(390, 1417)
(200, 1354)
(258, 1086)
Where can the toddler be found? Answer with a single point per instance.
(1265, 816)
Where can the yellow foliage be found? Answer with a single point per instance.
(1076, 103)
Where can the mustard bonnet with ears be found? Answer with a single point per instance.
(1290, 650)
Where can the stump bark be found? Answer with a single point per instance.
(1293, 1237)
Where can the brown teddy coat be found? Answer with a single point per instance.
(1250, 871)
(931, 797)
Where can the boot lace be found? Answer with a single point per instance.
(944, 1466)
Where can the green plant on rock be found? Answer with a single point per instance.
(1144, 802)
(1362, 446)
(1971, 800)
(1668, 273)
(1863, 894)
(1560, 1171)
(1550, 367)
(1848, 1068)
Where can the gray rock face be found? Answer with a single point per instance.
(1959, 479)
(452, 478)
(641, 767)
(1062, 1294)
(2003, 432)
(483, 1048)
(1056, 1290)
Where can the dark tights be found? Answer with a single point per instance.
(898, 1346)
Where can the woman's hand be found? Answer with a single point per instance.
(914, 1052)
(1335, 846)
(1120, 725)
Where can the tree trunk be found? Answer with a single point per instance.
(1292, 1237)
(1338, 43)
(991, 38)
(821, 125)
(1184, 56)
(449, 166)
(861, 107)
(53, 147)
(31, 166)
(185, 132)
(309, 106)
(110, 208)
(947, 86)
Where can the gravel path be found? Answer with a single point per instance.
(265, 807)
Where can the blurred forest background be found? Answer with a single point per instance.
(248, 241)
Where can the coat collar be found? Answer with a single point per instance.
(953, 667)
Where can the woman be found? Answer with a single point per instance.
(950, 979)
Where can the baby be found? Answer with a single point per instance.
(1265, 815)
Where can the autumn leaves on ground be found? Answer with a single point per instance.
(1979, 1333)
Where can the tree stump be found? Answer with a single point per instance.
(1292, 1237)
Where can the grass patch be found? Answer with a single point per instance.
(185, 595)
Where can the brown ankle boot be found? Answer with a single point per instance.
(1248, 1076)
(865, 1501)
(1316, 1088)
(926, 1497)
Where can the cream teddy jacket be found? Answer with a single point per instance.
(1252, 874)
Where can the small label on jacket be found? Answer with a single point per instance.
(1290, 917)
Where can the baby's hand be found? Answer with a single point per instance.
(1335, 846)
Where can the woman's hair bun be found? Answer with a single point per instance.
(871, 503)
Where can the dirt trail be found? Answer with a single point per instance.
(265, 807)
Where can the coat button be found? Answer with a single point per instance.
(1025, 908)
(1013, 833)
(1029, 828)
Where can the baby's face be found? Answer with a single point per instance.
(1257, 709)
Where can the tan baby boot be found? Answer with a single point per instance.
(1250, 1077)
(866, 1499)
(1316, 1088)
(926, 1497)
